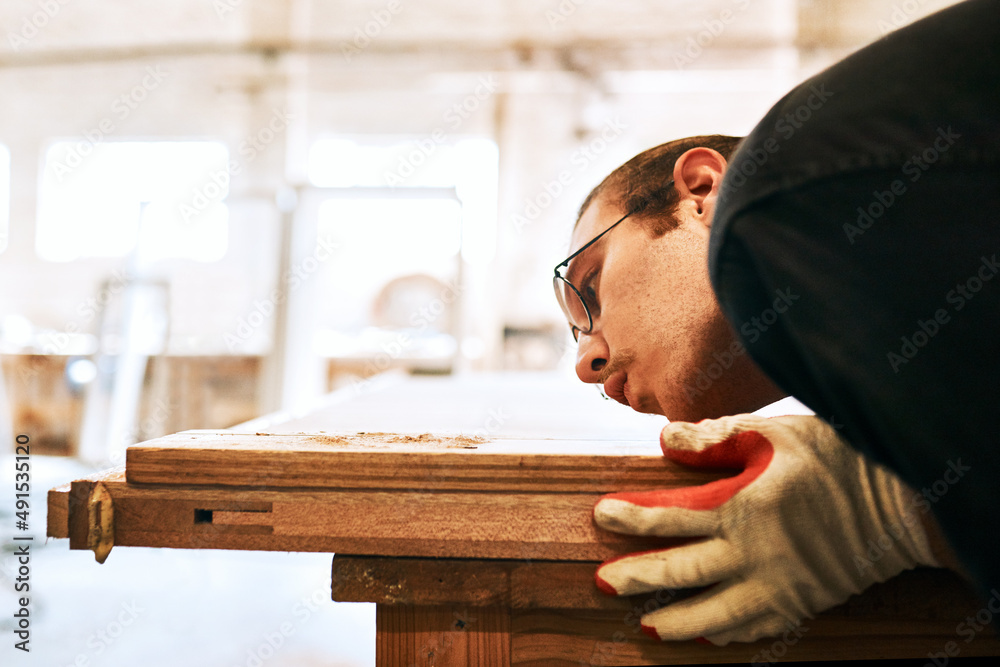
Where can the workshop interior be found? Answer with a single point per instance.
(236, 215)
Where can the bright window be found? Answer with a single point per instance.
(159, 200)
(468, 164)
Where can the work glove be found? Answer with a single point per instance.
(806, 523)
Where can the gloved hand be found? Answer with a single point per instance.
(788, 537)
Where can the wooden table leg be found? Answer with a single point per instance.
(441, 636)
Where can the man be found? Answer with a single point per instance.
(822, 291)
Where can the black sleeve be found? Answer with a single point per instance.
(871, 193)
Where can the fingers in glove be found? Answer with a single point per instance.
(620, 513)
(711, 614)
(688, 566)
(769, 625)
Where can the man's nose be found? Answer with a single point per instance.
(591, 356)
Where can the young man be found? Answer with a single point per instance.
(880, 318)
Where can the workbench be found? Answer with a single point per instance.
(462, 508)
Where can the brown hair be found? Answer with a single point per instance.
(642, 185)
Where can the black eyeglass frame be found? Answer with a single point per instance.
(557, 279)
(577, 330)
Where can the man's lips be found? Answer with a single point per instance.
(614, 387)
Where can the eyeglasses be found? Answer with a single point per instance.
(570, 299)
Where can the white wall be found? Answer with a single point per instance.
(566, 71)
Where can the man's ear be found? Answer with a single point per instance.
(698, 178)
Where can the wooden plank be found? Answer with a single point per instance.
(421, 581)
(921, 594)
(444, 581)
(399, 461)
(402, 523)
(442, 636)
(57, 515)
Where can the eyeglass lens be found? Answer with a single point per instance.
(572, 304)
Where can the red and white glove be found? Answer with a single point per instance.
(788, 537)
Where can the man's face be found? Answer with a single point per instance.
(658, 323)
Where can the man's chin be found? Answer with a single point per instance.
(680, 409)
(646, 404)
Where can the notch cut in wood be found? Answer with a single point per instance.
(235, 517)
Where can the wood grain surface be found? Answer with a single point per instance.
(442, 636)
(423, 461)
(445, 524)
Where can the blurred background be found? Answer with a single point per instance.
(214, 210)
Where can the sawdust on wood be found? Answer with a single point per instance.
(376, 439)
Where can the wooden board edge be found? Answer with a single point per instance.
(57, 511)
